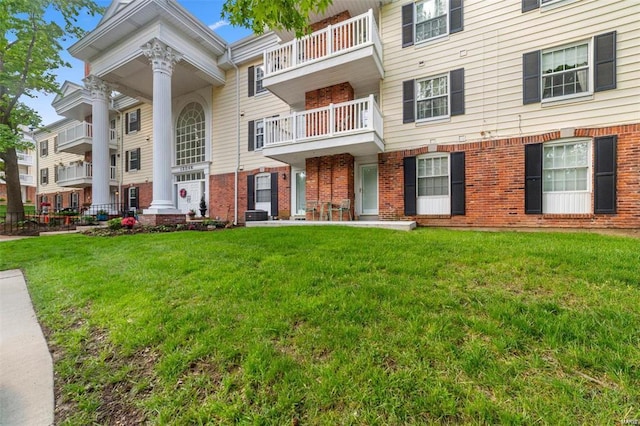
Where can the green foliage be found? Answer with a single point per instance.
(290, 15)
(115, 223)
(311, 326)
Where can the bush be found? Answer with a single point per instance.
(115, 223)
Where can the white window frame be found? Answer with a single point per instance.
(263, 183)
(588, 68)
(132, 153)
(420, 98)
(132, 190)
(258, 135)
(575, 201)
(190, 137)
(133, 118)
(258, 77)
(44, 176)
(44, 148)
(75, 200)
(57, 202)
(438, 203)
(416, 22)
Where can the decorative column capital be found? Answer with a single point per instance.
(162, 57)
(99, 88)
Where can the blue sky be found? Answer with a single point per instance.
(207, 11)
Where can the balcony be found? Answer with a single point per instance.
(77, 139)
(26, 180)
(349, 51)
(25, 159)
(354, 127)
(80, 175)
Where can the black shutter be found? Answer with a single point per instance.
(274, 194)
(408, 101)
(605, 175)
(126, 161)
(605, 62)
(251, 193)
(531, 77)
(533, 178)
(139, 161)
(407, 25)
(252, 81)
(457, 183)
(251, 132)
(410, 199)
(457, 91)
(126, 120)
(138, 119)
(528, 5)
(455, 16)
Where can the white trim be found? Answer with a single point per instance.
(434, 204)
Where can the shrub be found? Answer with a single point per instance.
(115, 223)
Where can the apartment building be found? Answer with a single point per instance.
(26, 169)
(516, 113)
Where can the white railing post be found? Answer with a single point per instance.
(294, 128)
(329, 40)
(294, 53)
(332, 119)
(369, 25)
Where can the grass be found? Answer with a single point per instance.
(28, 209)
(339, 326)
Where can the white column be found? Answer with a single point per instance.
(100, 92)
(162, 59)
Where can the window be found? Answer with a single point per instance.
(132, 161)
(426, 20)
(256, 135)
(566, 167)
(570, 70)
(132, 198)
(263, 188)
(433, 176)
(255, 77)
(55, 144)
(112, 130)
(433, 97)
(190, 141)
(57, 202)
(259, 134)
(565, 71)
(133, 121)
(431, 19)
(74, 200)
(44, 176)
(44, 148)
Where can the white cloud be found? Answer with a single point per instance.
(218, 24)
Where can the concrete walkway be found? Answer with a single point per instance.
(26, 368)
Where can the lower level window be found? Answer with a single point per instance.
(433, 184)
(566, 172)
(263, 188)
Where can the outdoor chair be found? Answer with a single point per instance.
(344, 206)
(313, 207)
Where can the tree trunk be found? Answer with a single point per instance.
(15, 208)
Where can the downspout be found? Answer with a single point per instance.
(235, 195)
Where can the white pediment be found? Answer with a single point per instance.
(67, 89)
(115, 7)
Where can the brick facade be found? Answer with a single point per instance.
(330, 179)
(335, 94)
(222, 192)
(494, 183)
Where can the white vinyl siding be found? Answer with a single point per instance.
(566, 180)
(490, 50)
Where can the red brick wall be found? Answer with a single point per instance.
(330, 179)
(495, 184)
(332, 20)
(162, 219)
(222, 189)
(335, 94)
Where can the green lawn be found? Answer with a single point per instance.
(339, 326)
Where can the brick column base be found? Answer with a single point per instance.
(162, 219)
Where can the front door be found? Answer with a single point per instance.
(189, 194)
(369, 189)
(299, 192)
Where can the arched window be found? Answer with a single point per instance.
(190, 135)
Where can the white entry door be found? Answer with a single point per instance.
(369, 189)
(189, 194)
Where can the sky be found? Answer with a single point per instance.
(207, 11)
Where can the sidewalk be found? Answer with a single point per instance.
(26, 369)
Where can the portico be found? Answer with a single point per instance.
(155, 52)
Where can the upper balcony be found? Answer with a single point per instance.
(80, 175)
(350, 51)
(25, 159)
(354, 127)
(27, 180)
(77, 139)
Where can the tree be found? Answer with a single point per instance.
(30, 46)
(258, 15)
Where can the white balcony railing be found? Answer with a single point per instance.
(332, 40)
(26, 179)
(25, 159)
(79, 131)
(80, 171)
(332, 121)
